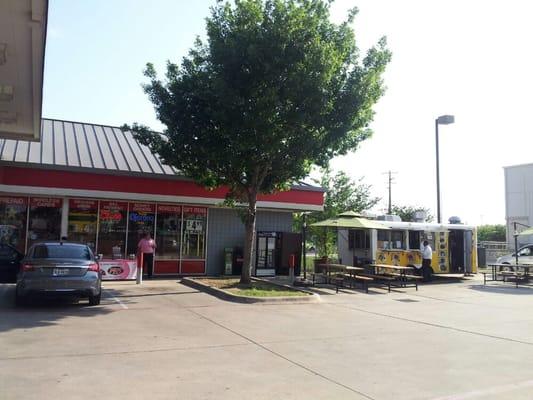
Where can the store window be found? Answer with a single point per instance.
(112, 229)
(141, 220)
(194, 230)
(45, 219)
(83, 221)
(168, 235)
(13, 213)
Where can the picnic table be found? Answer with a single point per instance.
(338, 273)
(508, 271)
(395, 274)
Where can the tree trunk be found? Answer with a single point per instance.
(249, 240)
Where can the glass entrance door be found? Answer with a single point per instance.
(266, 254)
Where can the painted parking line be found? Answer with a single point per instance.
(110, 296)
(495, 390)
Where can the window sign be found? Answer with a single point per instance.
(82, 221)
(141, 221)
(13, 213)
(112, 229)
(45, 219)
(195, 222)
(168, 237)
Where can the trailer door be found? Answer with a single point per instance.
(468, 251)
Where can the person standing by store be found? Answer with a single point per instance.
(146, 248)
(427, 255)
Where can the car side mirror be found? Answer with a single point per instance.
(97, 257)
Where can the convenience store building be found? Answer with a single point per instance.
(96, 184)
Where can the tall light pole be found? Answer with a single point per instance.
(442, 120)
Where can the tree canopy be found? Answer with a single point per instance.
(275, 88)
(491, 233)
(408, 213)
(342, 194)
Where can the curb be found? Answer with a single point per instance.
(223, 295)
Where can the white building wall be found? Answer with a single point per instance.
(518, 201)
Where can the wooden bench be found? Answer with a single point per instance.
(321, 275)
(363, 280)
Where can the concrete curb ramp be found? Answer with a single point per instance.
(197, 283)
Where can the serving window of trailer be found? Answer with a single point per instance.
(358, 239)
(397, 240)
(391, 240)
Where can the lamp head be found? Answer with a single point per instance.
(445, 119)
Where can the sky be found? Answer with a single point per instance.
(471, 59)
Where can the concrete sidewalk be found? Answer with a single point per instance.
(163, 340)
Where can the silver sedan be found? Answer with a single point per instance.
(59, 268)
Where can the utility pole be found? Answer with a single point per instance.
(390, 182)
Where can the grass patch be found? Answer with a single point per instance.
(254, 289)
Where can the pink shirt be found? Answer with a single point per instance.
(146, 245)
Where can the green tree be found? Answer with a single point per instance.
(492, 233)
(276, 88)
(342, 194)
(408, 213)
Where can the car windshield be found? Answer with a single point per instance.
(62, 251)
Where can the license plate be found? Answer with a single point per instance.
(60, 271)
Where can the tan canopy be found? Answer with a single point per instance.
(351, 223)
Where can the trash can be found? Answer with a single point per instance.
(228, 261)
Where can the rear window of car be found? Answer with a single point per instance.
(62, 251)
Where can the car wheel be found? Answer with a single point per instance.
(95, 300)
(507, 267)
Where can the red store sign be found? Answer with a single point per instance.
(169, 209)
(83, 205)
(112, 210)
(15, 201)
(142, 208)
(45, 202)
(195, 210)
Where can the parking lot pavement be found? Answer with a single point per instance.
(163, 340)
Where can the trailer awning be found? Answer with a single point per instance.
(351, 223)
(528, 231)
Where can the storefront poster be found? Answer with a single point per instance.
(13, 201)
(45, 202)
(80, 205)
(112, 210)
(168, 209)
(118, 269)
(143, 213)
(195, 210)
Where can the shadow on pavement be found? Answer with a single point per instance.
(505, 288)
(42, 311)
(119, 293)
